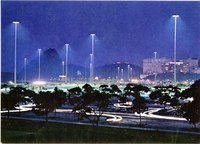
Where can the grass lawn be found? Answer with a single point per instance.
(27, 131)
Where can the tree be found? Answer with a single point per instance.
(87, 88)
(115, 89)
(4, 86)
(139, 105)
(191, 110)
(9, 101)
(166, 94)
(74, 94)
(91, 105)
(105, 88)
(44, 103)
(59, 98)
(139, 102)
(75, 91)
(19, 93)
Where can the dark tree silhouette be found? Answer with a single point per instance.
(105, 88)
(87, 88)
(73, 95)
(44, 103)
(59, 98)
(91, 105)
(115, 89)
(9, 101)
(191, 110)
(139, 105)
(139, 102)
(19, 93)
(166, 94)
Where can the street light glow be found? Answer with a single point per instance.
(39, 82)
(92, 59)
(15, 22)
(39, 52)
(175, 16)
(175, 25)
(66, 59)
(92, 34)
(15, 58)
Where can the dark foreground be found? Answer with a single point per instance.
(26, 131)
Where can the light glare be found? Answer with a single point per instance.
(175, 16)
(39, 82)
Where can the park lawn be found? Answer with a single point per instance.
(26, 131)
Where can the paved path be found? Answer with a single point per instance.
(118, 120)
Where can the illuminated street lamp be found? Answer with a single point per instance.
(122, 73)
(175, 22)
(128, 71)
(92, 58)
(15, 59)
(91, 55)
(25, 60)
(63, 67)
(39, 52)
(131, 71)
(155, 67)
(66, 61)
(118, 69)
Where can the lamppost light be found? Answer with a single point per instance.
(15, 22)
(66, 44)
(92, 34)
(175, 16)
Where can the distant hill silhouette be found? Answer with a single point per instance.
(51, 68)
(111, 70)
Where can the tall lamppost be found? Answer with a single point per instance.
(155, 67)
(15, 59)
(92, 58)
(39, 53)
(91, 76)
(25, 60)
(175, 23)
(118, 69)
(131, 71)
(128, 71)
(122, 73)
(63, 67)
(66, 60)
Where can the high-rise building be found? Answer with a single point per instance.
(164, 65)
(154, 65)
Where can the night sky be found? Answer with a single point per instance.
(125, 31)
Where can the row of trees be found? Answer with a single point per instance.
(90, 103)
(45, 102)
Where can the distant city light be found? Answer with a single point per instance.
(10, 82)
(134, 80)
(62, 76)
(96, 78)
(39, 82)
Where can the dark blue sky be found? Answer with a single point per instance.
(126, 31)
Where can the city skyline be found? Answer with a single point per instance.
(124, 31)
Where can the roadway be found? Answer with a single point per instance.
(114, 119)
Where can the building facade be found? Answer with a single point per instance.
(164, 65)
